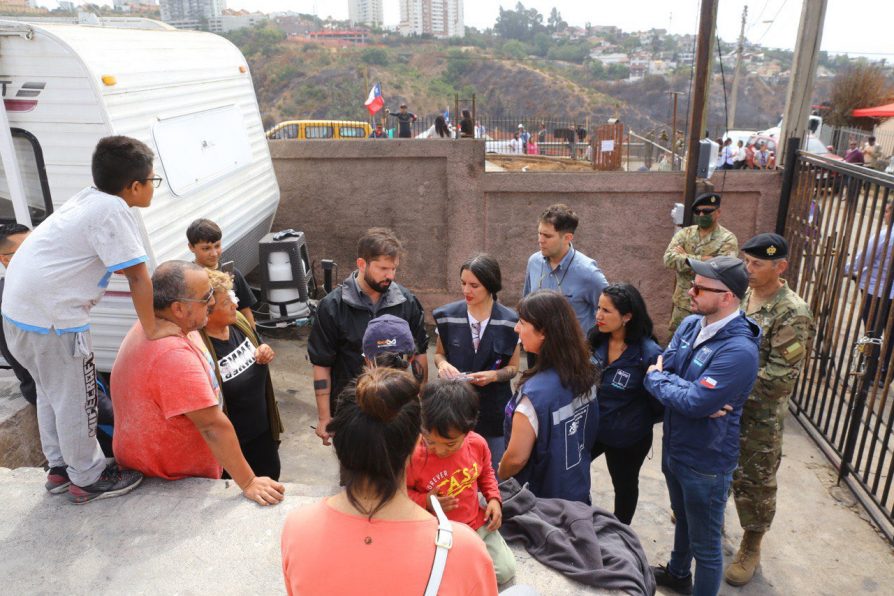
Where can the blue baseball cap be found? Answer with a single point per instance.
(388, 334)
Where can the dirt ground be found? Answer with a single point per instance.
(519, 163)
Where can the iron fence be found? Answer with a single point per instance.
(840, 137)
(838, 221)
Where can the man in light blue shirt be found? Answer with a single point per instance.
(559, 266)
(872, 268)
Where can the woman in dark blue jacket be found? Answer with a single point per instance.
(477, 341)
(623, 348)
(552, 419)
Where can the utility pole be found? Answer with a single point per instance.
(803, 77)
(698, 101)
(674, 133)
(735, 91)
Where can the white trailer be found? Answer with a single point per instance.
(187, 94)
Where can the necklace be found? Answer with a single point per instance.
(552, 272)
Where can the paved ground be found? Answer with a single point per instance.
(199, 536)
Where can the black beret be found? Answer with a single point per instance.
(708, 199)
(766, 246)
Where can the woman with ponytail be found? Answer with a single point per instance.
(371, 537)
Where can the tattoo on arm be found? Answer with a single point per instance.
(321, 385)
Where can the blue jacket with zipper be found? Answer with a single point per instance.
(696, 382)
(625, 412)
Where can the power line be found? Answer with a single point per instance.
(773, 20)
(758, 19)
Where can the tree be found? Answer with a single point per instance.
(555, 23)
(861, 85)
(541, 44)
(374, 56)
(521, 24)
(514, 49)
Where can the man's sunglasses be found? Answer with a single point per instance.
(701, 211)
(697, 289)
(156, 181)
(204, 300)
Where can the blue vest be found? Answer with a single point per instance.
(559, 466)
(494, 352)
(627, 411)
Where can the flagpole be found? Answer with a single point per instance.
(366, 90)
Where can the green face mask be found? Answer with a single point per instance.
(704, 221)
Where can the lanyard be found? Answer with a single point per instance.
(551, 272)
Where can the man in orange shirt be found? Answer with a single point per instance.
(168, 418)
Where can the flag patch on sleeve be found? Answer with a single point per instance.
(708, 382)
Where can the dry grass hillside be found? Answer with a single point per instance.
(300, 79)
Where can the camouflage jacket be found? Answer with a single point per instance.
(787, 330)
(720, 242)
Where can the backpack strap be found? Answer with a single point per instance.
(443, 542)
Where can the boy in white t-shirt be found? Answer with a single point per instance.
(55, 278)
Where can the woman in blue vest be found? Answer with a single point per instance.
(477, 340)
(623, 347)
(552, 419)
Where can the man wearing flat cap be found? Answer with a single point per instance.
(704, 240)
(703, 379)
(787, 329)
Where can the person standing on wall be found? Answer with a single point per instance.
(404, 121)
(702, 241)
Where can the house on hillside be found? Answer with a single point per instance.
(608, 59)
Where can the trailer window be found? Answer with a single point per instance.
(201, 148)
(34, 177)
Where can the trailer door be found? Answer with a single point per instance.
(37, 203)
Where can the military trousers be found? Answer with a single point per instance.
(760, 453)
(677, 317)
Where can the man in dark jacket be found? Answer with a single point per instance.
(703, 379)
(335, 343)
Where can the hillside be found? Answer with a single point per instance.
(303, 79)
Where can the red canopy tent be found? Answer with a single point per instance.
(876, 112)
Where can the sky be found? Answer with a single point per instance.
(773, 23)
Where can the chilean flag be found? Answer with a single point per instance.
(375, 101)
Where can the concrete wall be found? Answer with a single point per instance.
(438, 199)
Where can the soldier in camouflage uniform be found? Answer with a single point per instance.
(704, 240)
(787, 330)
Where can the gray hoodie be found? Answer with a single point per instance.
(587, 544)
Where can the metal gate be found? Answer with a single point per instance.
(842, 264)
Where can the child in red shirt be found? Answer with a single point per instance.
(453, 462)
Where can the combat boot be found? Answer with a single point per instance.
(741, 570)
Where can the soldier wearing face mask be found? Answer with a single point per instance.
(704, 240)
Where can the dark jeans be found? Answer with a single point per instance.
(623, 466)
(497, 446)
(262, 455)
(698, 500)
(879, 319)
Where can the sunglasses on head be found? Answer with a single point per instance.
(697, 289)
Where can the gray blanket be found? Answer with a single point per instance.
(587, 544)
